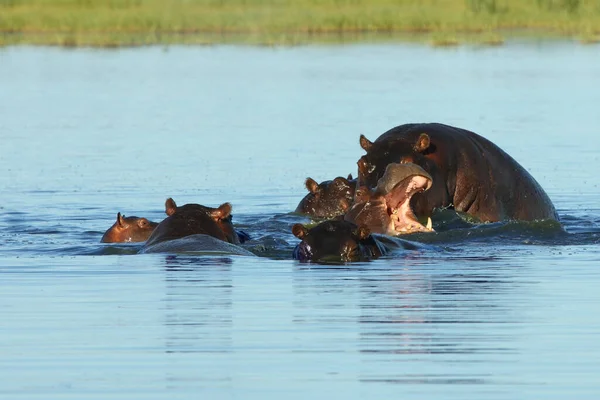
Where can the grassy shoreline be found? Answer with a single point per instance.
(113, 23)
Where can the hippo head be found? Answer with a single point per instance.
(335, 241)
(327, 199)
(387, 209)
(129, 229)
(372, 165)
(196, 218)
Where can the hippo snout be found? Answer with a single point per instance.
(303, 252)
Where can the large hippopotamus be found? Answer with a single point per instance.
(470, 173)
(129, 229)
(204, 223)
(336, 241)
(386, 209)
(327, 199)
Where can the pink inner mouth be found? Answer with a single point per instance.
(402, 217)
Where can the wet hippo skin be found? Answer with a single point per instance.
(470, 173)
(386, 209)
(129, 229)
(327, 199)
(339, 241)
(193, 219)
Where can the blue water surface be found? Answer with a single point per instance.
(507, 311)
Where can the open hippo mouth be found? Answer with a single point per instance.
(397, 186)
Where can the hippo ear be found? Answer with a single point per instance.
(365, 143)
(422, 143)
(363, 166)
(349, 177)
(120, 219)
(299, 231)
(142, 223)
(170, 207)
(311, 185)
(222, 212)
(362, 232)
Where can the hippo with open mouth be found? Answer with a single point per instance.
(470, 173)
(386, 209)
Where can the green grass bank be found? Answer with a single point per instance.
(142, 22)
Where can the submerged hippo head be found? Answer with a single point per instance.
(192, 219)
(335, 241)
(386, 209)
(129, 229)
(327, 199)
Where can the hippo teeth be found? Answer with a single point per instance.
(429, 224)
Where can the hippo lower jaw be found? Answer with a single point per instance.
(403, 221)
(402, 217)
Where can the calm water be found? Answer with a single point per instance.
(508, 311)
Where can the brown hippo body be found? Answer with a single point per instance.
(327, 199)
(336, 241)
(469, 173)
(194, 219)
(129, 229)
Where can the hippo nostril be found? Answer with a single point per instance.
(303, 252)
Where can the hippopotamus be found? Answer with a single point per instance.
(386, 209)
(129, 229)
(337, 240)
(327, 199)
(470, 173)
(194, 219)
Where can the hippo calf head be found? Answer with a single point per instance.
(129, 229)
(327, 199)
(335, 241)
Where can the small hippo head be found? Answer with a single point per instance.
(327, 199)
(192, 219)
(129, 229)
(406, 149)
(335, 241)
(387, 209)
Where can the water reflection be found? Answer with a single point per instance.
(457, 314)
(197, 304)
(198, 318)
(456, 310)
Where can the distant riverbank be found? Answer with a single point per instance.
(114, 23)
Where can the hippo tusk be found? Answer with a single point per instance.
(429, 224)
